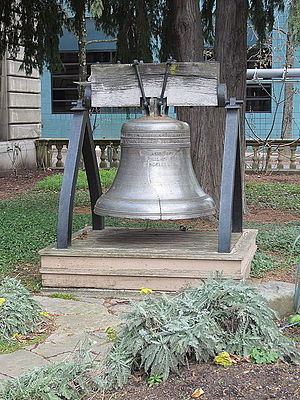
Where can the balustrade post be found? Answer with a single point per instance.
(103, 157)
(115, 156)
(255, 157)
(280, 158)
(268, 159)
(49, 155)
(293, 156)
(59, 163)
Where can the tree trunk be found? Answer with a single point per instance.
(206, 149)
(207, 123)
(288, 105)
(231, 52)
(82, 39)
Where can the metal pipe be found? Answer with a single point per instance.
(260, 80)
(273, 73)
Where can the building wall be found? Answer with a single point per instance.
(20, 115)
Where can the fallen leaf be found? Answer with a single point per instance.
(197, 393)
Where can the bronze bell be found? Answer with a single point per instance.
(155, 179)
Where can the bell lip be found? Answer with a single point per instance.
(155, 216)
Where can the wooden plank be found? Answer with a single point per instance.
(189, 84)
(121, 282)
(114, 242)
(136, 267)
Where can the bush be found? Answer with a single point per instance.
(161, 334)
(64, 380)
(19, 314)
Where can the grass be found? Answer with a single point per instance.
(28, 223)
(53, 182)
(277, 196)
(64, 296)
(10, 347)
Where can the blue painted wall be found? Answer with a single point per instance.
(108, 125)
(270, 124)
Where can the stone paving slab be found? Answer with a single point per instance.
(76, 322)
(15, 364)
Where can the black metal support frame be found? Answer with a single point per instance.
(81, 142)
(231, 203)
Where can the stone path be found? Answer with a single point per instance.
(76, 321)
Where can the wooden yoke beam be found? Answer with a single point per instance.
(189, 84)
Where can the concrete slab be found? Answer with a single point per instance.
(279, 295)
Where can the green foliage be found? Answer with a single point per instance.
(223, 359)
(53, 182)
(294, 22)
(61, 381)
(161, 334)
(261, 14)
(154, 380)
(36, 25)
(134, 25)
(273, 195)
(262, 263)
(64, 296)
(19, 314)
(294, 319)
(261, 356)
(279, 238)
(14, 345)
(111, 334)
(28, 223)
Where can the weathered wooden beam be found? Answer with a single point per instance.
(189, 84)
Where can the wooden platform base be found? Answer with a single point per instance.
(127, 259)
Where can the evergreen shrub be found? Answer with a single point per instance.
(162, 334)
(19, 313)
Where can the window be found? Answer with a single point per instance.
(64, 90)
(258, 97)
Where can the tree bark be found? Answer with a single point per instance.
(288, 105)
(82, 39)
(207, 123)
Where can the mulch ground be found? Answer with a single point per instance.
(13, 185)
(243, 381)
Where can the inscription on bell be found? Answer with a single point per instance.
(161, 158)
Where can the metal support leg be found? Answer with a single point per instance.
(92, 173)
(230, 216)
(80, 141)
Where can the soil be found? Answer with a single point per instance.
(269, 216)
(273, 178)
(242, 381)
(13, 185)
